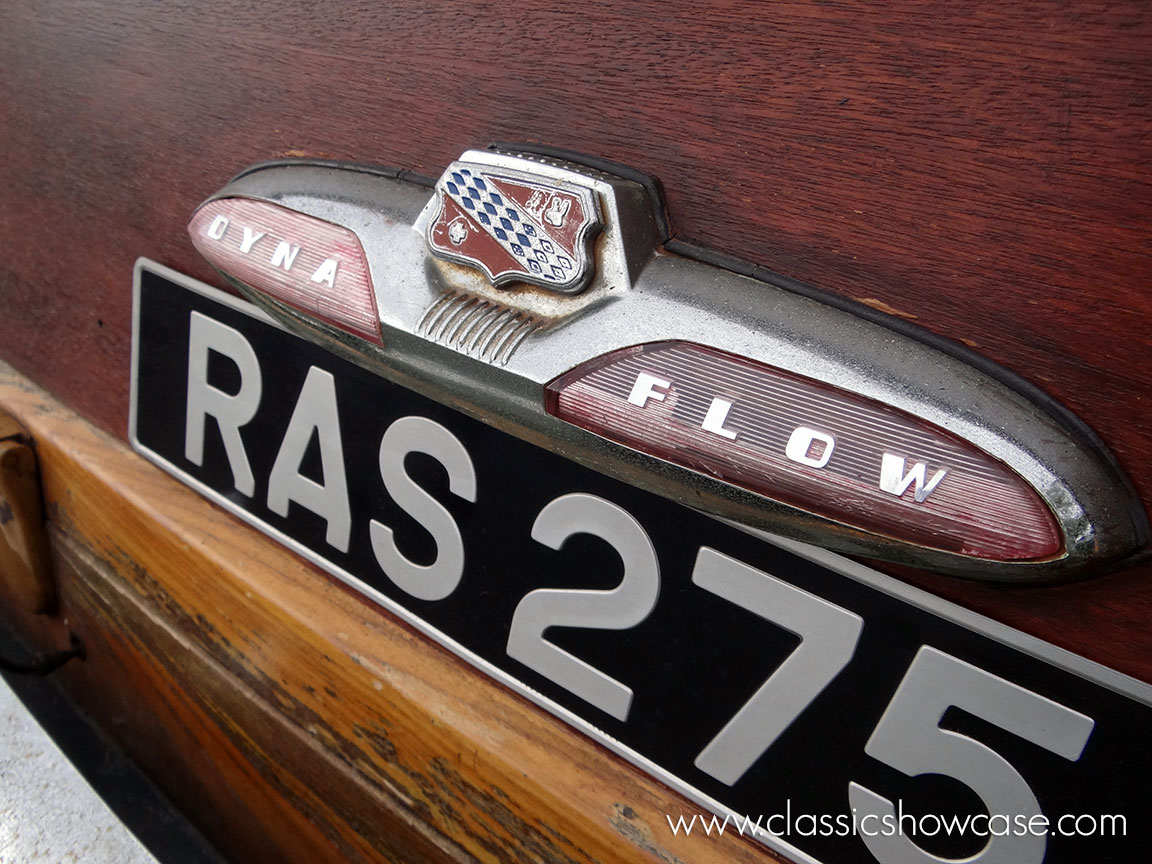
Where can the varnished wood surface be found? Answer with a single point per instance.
(983, 169)
(293, 720)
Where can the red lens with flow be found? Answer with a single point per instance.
(305, 262)
(810, 445)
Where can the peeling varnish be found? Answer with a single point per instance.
(881, 306)
(626, 825)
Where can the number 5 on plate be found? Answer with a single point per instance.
(909, 738)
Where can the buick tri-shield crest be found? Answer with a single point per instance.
(514, 226)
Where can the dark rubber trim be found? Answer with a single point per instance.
(377, 170)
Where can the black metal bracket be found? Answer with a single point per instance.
(45, 664)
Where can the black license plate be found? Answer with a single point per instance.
(761, 678)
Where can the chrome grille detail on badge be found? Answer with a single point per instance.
(476, 327)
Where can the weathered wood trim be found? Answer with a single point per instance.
(293, 720)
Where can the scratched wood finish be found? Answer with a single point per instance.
(295, 721)
(983, 169)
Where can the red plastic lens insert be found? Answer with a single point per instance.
(810, 445)
(312, 265)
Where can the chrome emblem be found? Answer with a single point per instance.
(515, 226)
(541, 294)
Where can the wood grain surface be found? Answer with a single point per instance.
(292, 719)
(982, 169)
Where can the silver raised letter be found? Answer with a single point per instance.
(218, 228)
(894, 480)
(326, 272)
(801, 442)
(230, 410)
(714, 419)
(645, 389)
(284, 255)
(250, 238)
(315, 410)
(437, 580)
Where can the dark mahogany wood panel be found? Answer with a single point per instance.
(983, 169)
